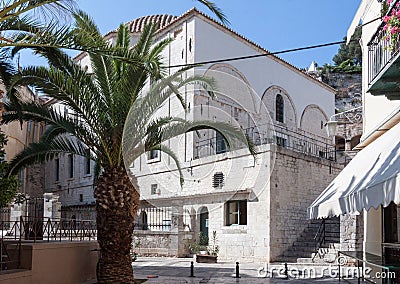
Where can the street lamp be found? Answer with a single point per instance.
(331, 127)
(351, 115)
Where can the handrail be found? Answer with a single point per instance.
(319, 237)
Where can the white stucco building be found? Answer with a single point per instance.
(256, 207)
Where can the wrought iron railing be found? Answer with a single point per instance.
(154, 219)
(380, 51)
(319, 238)
(298, 141)
(48, 229)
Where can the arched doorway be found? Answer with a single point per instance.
(204, 225)
(355, 141)
(340, 143)
(143, 221)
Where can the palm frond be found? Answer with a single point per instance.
(173, 156)
(214, 8)
(44, 151)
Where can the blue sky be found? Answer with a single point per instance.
(274, 24)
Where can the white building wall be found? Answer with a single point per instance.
(197, 40)
(69, 189)
(212, 43)
(249, 242)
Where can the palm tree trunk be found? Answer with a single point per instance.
(117, 202)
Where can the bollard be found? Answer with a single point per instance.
(191, 269)
(237, 270)
(286, 271)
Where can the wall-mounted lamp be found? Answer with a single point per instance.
(331, 127)
(351, 116)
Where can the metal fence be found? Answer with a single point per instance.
(298, 141)
(154, 219)
(5, 214)
(47, 229)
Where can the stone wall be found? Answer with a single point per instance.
(348, 96)
(296, 181)
(351, 232)
(158, 243)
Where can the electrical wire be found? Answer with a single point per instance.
(257, 55)
(270, 53)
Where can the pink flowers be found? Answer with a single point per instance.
(392, 24)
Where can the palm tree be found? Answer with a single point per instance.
(101, 102)
(18, 27)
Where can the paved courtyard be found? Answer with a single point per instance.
(177, 270)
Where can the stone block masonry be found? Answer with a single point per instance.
(296, 181)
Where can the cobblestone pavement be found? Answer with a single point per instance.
(177, 270)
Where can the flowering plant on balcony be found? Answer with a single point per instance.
(392, 24)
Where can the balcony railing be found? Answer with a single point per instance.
(301, 142)
(380, 53)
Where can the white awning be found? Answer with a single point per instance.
(371, 179)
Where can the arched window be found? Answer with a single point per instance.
(279, 105)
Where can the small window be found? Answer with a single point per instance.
(29, 127)
(87, 162)
(220, 143)
(80, 197)
(190, 45)
(70, 166)
(280, 107)
(218, 180)
(154, 155)
(57, 162)
(154, 189)
(236, 212)
(236, 113)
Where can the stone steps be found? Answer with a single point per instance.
(303, 250)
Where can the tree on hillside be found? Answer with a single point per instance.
(101, 103)
(351, 51)
(8, 184)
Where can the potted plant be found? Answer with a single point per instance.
(135, 245)
(214, 248)
(392, 24)
(211, 254)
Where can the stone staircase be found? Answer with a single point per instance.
(306, 248)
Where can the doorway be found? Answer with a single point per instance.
(204, 225)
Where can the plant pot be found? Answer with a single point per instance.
(200, 258)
